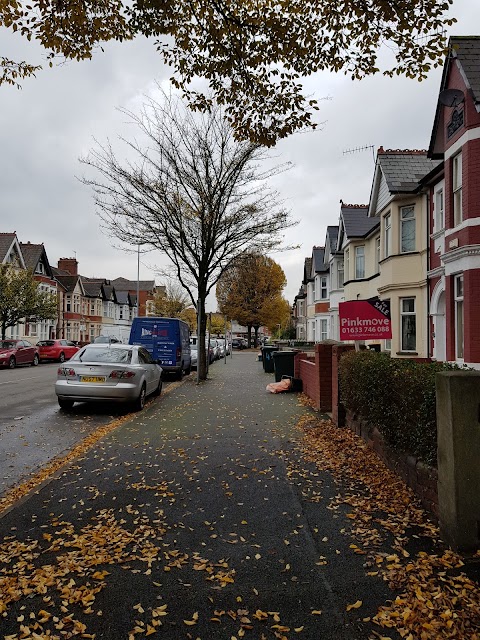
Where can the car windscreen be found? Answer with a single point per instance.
(46, 343)
(99, 354)
(6, 344)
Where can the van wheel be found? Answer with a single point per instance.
(188, 371)
(179, 374)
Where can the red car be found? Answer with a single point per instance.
(13, 352)
(59, 350)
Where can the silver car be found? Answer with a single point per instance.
(108, 373)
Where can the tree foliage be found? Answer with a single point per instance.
(173, 302)
(21, 298)
(253, 55)
(193, 192)
(250, 292)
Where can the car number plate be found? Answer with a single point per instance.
(92, 379)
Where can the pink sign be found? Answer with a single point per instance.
(365, 319)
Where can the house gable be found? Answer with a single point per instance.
(10, 251)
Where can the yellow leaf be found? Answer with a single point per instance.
(317, 612)
(150, 630)
(355, 605)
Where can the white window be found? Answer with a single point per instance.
(323, 288)
(388, 235)
(459, 316)
(407, 229)
(347, 264)
(340, 274)
(457, 189)
(323, 329)
(388, 345)
(359, 262)
(377, 254)
(439, 210)
(408, 324)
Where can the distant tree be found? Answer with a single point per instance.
(170, 302)
(21, 299)
(252, 55)
(217, 326)
(250, 292)
(189, 315)
(194, 193)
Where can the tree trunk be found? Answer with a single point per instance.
(201, 335)
(249, 335)
(256, 328)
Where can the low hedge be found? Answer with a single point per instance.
(396, 396)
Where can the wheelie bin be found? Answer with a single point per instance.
(267, 358)
(284, 364)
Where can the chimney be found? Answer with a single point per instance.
(70, 265)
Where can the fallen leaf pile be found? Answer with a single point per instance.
(435, 600)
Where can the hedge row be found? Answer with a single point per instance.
(396, 396)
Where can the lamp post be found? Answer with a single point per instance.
(138, 281)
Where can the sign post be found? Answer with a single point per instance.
(365, 319)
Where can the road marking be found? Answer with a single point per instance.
(19, 380)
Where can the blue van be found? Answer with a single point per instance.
(167, 340)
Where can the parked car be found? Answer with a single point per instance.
(108, 373)
(106, 340)
(221, 348)
(60, 350)
(167, 340)
(194, 351)
(215, 348)
(15, 352)
(239, 343)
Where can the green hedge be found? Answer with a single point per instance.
(396, 396)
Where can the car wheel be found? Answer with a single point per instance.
(12, 363)
(35, 360)
(64, 404)
(188, 371)
(140, 401)
(62, 357)
(158, 390)
(179, 374)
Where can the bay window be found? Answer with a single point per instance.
(407, 229)
(408, 324)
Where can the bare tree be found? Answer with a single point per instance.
(193, 192)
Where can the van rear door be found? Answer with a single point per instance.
(159, 336)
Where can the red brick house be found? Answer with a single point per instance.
(454, 224)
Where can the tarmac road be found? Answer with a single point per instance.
(33, 429)
(197, 519)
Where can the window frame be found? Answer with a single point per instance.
(323, 288)
(387, 235)
(340, 270)
(459, 306)
(378, 249)
(404, 315)
(439, 212)
(323, 327)
(357, 256)
(407, 221)
(457, 185)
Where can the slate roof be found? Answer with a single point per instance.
(332, 237)
(404, 169)
(122, 284)
(356, 222)
(93, 289)
(302, 293)
(307, 270)
(318, 260)
(6, 240)
(123, 297)
(68, 282)
(467, 51)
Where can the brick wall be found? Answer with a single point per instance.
(421, 478)
(307, 372)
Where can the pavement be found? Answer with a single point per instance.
(199, 518)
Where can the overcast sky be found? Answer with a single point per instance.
(53, 120)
